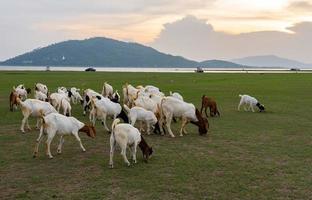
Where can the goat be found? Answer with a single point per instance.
(41, 96)
(129, 94)
(172, 107)
(56, 123)
(115, 97)
(87, 95)
(102, 107)
(31, 107)
(250, 101)
(22, 91)
(125, 135)
(13, 102)
(141, 114)
(75, 97)
(176, 95)
(147, 103)
(211, 103)
(66, 107)
(107, 90)
(41, 87)
(56, 98)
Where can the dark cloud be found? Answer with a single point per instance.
(196, 39)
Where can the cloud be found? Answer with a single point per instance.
(196, 39)
(300, 6)
(26, 25)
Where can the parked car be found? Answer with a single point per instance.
(294, 69)
(90, 69)
(199, 70)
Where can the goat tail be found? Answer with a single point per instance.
(126, 108)
(170, 93)
(92, 102)
(62, 102)
(161, 109)
(104, 89)
(240, 95)
(203, 96)
(115, 122)
(42, 115)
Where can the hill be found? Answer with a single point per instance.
(99, 52)
(270, 61)
(218, 63)
(105, 52)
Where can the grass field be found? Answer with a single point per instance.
(244, 156)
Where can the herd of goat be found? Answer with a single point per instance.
(146, 104)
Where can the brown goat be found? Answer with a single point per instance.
(13, 100)
(146, 150)
(211, 103)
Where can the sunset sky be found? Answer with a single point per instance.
(26, 25)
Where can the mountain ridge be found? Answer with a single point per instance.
(105, 52)
(270, 61)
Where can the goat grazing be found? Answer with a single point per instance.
(103, 107)
(250, 101)
(56, 123)
(31, 107)
(211, 103)
(142, 115)
(125, 135)
(172, 107)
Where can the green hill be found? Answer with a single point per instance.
(103, 52)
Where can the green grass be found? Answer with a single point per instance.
(245, 155)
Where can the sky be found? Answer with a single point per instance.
(195, 29)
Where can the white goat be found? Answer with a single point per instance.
(61, 89)
(107, 90)
(87, 95)
(176, 95)
(250, 101)
(103, 107)
(41, 87)
(66, 107)
(148, 91)
(56, 123)
(31, 107)
(147, 103)
(129, 94)
(21, 91)
(40, 96)
(125, 135)
(142, 115)
(56, 98)
(172, 107)
(76, 95)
